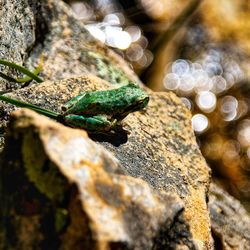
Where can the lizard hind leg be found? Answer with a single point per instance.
(98, 123)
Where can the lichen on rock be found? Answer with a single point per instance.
(116, 208)
(145, 188)
(159, 149)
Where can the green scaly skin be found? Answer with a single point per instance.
(103, 110)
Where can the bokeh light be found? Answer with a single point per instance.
(134, 52)
(106, 21)
(171, 81)
(209, 75)
(244, 133)
(206, 101)
(135, 32)
(180, 67)
(214, 71)
(82, 10)
(96, 32)
(199, 123)
(116, 37)
(229, 105)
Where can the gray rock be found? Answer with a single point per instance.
(230, 221)
(17, 34)
(56, 177)
(159, 152)
(50, 29)
(158, 147)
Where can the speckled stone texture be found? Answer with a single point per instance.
(230, 221)
(31, 28)
(158, 146)
(78, 192)
(17, 26)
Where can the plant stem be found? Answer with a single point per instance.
(22, 70)
(8, 78)
(39, 110)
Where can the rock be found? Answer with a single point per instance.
(70, 192)
(17, 35)
(230, 221)
(49, 28)
(158, 147)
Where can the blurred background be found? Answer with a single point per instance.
(200, 50)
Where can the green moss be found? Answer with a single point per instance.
(42, 173)
(106, 70)
(61, 219)
(175, 125)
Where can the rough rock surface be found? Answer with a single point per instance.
(230, 221)
(77, 191)
(158, 147)
(17, 35)
(48, 27)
